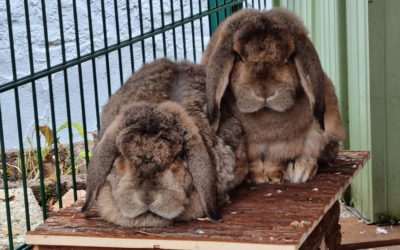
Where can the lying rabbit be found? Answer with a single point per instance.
(157, 158)
(262, 66)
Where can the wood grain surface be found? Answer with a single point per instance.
(280, 216)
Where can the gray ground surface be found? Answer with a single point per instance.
(17, 207)
(344, 212)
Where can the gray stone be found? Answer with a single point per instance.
(18, 219)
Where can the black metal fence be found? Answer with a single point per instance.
(67, 58)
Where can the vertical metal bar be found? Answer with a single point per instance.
(3, 153)
(96, 93)
(152, 29)
(173, 30)
(128, 13)
(259, 4)
(103, 15)
(210, 19)
(225, 13)
(18, 113)
(121, 73)
(34, 99)
(192, 25)
(35, 109)
(5, 182)
(218, 16)
(201, 27)
(67, 102)
(265, 4)
(141, 30)
(238, 6)
(81, 83)
(162, 25)
(343, 66)
(183, 30)
(53, 118)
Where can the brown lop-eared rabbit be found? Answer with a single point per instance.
(263, 67)
(157, 159)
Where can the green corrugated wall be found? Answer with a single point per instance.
(346, 35)
(326, 22)
(384, 39)
(359, 101)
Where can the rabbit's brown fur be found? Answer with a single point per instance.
(262, 65)
(149, 184)
(179, 89)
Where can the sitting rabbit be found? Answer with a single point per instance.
(157, 158)
(264, 68)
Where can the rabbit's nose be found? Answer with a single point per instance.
(270, 94)
(147, 199)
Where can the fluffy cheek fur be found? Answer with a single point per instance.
(110, 212)
(254, 91)
(127, 201)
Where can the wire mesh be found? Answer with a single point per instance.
(63, 61)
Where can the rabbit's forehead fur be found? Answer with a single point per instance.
(263, 43)
(151, 136)
(149, 154)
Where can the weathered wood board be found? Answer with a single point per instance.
(257, 217)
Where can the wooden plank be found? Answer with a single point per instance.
(257, 216)
(155, 244)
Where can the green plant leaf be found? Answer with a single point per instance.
(47, 133)
(79, 128)
(83, 155)
(62, 127)
(29, 141)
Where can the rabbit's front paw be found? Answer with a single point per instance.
(301, 170)
(265, 172)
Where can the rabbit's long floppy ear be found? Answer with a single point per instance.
(197, 157)
(220, 63)
(311, 76)
(203, 174)
(101, 163)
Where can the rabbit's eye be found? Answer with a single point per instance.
(166, 138)
(289, 59)
(238, 58)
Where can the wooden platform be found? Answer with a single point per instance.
(269, 216)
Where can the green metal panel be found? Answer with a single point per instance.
(346, 34)
(392, 55)
(339, 31)
(385, 106)
(359, 100)
(218, 17)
